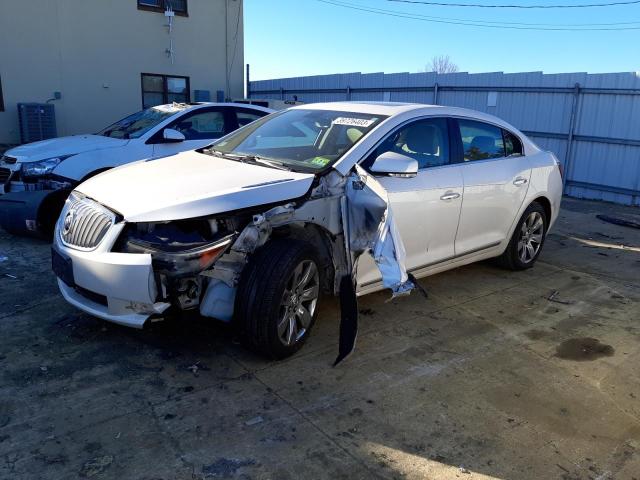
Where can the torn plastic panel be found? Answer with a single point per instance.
(369, 227)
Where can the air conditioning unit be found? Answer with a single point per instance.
(37, 121)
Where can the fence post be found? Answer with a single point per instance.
(348, 93)
(435, 93)
(247, 87)
(572, 127)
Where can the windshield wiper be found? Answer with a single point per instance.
(271, 163)
(249, 159)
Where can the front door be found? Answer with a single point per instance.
(426, 207)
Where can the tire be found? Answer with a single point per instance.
(527, 240)
(278, 296)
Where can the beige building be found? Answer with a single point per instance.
(105, 59)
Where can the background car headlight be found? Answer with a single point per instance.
(41, 168)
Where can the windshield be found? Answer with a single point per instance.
(141, 122)
(305, 140)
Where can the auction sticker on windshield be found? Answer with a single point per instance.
(320, 161)
(354, 122)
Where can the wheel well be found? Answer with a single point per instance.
(94, 173)
(322, 242)
(546, 204)
(49, 212)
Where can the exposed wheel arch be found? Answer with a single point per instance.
(546, 204)
(49, 211)
(94, 173)
(322, 242)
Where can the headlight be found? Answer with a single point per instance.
(41, 168)
(191, 261)
(177, 248)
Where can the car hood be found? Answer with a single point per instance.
(191, 184)
(56, 147)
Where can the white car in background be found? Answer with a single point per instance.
(335, 197)
(59, 164)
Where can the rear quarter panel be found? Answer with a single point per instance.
(545, 182)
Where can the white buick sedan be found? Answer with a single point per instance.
(334, 198)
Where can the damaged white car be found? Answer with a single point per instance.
(333, 198)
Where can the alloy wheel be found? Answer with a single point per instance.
(531, 235)
(298, 302)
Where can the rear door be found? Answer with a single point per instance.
(426, 207)
(496, 178)
(199, 127)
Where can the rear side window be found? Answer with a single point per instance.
(481, 141)
(247, 116)
(512, 144)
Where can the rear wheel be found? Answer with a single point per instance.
(527, 240)
(278, 296)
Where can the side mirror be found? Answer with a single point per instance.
(395, 165)
(172, 136)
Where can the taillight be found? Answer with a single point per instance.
(561, 168)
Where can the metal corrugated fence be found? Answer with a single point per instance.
(590, 121)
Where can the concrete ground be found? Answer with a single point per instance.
(529, 375)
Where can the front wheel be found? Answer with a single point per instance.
(277, 297)
(527, 239)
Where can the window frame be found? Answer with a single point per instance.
(1, 97)
(165, 91)
(161, 9)
(235, 110)
(504, 140)
(460, 146)
(454, 149)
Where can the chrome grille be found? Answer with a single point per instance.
(5, 173)
(84, 223)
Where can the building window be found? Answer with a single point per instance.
(1, 97)
(178, 6)
(160, 89)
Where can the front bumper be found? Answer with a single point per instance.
(117, 287)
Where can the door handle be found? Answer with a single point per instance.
(450, 196)
(520, 181)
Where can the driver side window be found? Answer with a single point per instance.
(201, 125)
(426, 141)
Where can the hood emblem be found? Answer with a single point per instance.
(68, 221)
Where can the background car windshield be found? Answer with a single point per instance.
(307, 140)
(140, 122)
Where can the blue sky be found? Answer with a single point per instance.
(306, 37)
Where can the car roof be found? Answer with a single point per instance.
(196, 105)
(374, 108)
(412, 109)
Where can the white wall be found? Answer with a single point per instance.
(93, 52)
